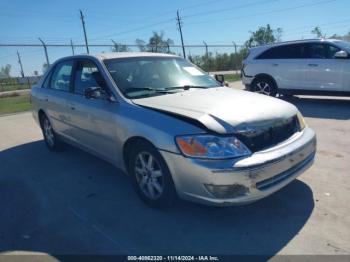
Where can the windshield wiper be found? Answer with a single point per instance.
(136, 89)
(187, 87)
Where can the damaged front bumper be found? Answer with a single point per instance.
(234, 182)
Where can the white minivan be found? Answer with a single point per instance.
(318, 67)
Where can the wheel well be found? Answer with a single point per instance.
(266, 76)
(41, 113)
(129, 144)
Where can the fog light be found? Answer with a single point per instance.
(227, 191)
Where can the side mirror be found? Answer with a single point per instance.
(92, 92)
(341, 54)
(220, 78)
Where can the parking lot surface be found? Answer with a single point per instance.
(74, 203)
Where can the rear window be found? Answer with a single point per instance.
(294, 51)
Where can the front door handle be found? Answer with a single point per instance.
(274, 64)
(71, 106)
(313, 65)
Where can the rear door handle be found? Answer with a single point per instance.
(46, 99)
(313, 65)
(274, 64)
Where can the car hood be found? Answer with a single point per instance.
(222, 110)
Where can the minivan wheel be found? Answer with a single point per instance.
(51, 139)
(264, 86)
(151, 177)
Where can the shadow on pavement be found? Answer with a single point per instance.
(74, 203)
(320, 107)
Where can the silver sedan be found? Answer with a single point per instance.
(173, 128)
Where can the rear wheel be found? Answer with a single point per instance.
(151, 177)
(51, 139)
(264, 86)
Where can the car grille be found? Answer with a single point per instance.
(269, 136)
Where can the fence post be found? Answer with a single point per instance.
(168, 47)
(206, 56)
(71, 44)
(235, 59)
(115, 45)
(45, 49)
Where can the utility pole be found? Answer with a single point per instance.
(206, 55)
(179, 22)
(20, 64)
(83, 23)
(71, 44)
(45, 49)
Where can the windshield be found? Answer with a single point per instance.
(138, 77)
(344, 45)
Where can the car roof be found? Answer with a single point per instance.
(316, 40)
(113, 55)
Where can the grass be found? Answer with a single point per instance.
(21, 102)
(14, 104)
(232, 77)
(12, 87)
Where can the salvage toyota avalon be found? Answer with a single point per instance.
(173, 128)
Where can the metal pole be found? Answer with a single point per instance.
(168, 47)
(180, 29)
(206, 55)
(71, 44)
(45, 49)
(83, 23)
(235, 55)
(20, 64)
(115, 45)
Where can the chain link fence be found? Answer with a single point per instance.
(22, 65)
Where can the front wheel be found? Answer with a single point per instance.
(51, 139)
(264, 86)
(151, 177)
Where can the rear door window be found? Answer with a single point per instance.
(293, 51)
(61, 77)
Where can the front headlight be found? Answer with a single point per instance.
(209, 146)
(301, 121)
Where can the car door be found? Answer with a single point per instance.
(324, 71)
(93, 119)
(287, 65)
(291, 66)
(56, 93)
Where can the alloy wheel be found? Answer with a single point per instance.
(263, 88)
(49, 136)
(149, 175)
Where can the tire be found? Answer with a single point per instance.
(51, 139)
(151, 177)
(265, 86)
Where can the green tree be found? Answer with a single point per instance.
(156, 43)
(318, 32)
(141, 45)
(120, 48)
(345, 37)
(5, 71)
(264, 35)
